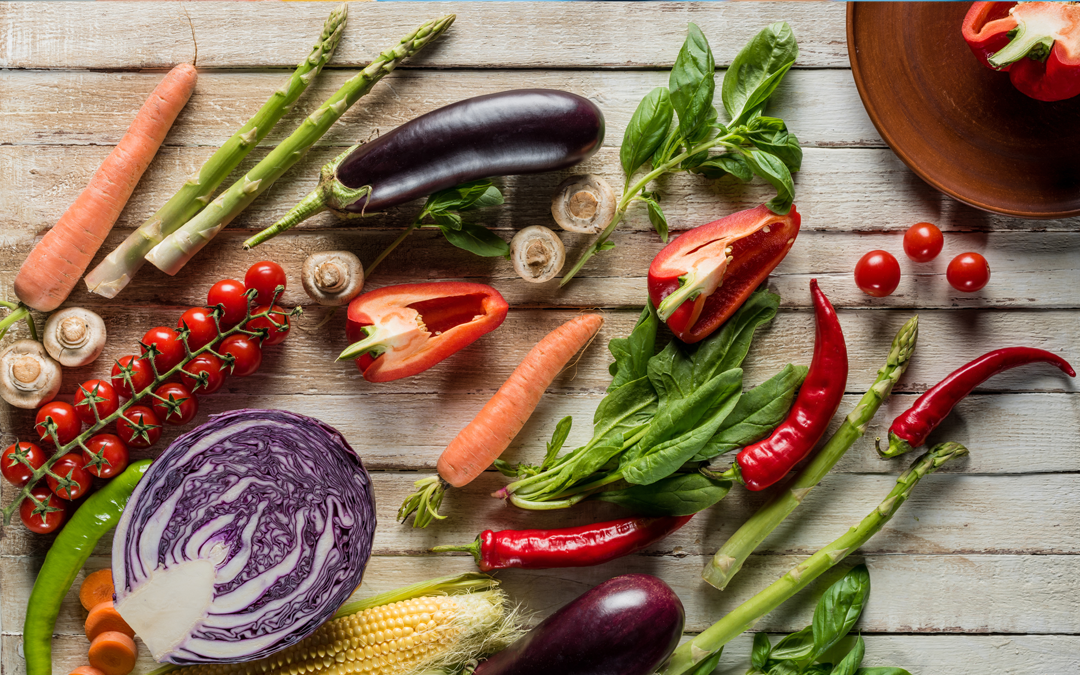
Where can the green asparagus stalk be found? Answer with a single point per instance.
(690, 654)
(180, 246)
(731, 556)
(117, 269)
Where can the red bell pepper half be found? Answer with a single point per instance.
(1038, 43)
(698, 280)
(399, 331)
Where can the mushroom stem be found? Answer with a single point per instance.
(537, 254)
(332, 277)
(583, 204)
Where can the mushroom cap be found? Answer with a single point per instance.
(332, 277)
(584, 203)
(537, 253)
(28, 376)
(74, 336)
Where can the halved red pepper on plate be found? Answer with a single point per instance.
(1038, 43)
(698, 280)
(399, 331)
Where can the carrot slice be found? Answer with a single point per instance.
(113, 653)
(104, 618)
(96, 589)
(86, 670)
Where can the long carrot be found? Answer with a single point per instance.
(104, 618)
(58, 261)
(113, 653)
(96, 588)
(489, 433)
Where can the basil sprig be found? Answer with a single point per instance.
(677, 128)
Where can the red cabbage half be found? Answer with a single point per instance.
(243, 537)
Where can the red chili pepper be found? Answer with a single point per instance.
(568, 547)
(1038, 43)
(910, 429)
(398, 331)
(767, 461)
(698, 280)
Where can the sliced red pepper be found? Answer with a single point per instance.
(1038, 43)
(698, 280)
(399, 331)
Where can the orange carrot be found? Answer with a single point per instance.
(113, 653)
(96, 588)
(58, 261)
(86, 670)
(104, 618)
(491, 431)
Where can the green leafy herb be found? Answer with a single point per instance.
(692, 82)
(850, 663)
(632, 353)
(796, 646)
(646, 130)
(882, 671)
(762, 649)
(680, 494)
(839, 609)
(772, 168)
(476, 239)
(757, 70)
(784, 668)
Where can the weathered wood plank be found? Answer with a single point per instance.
(503, 35)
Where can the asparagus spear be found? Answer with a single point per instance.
(116, 270)
(729, 559)
(687, 657)
(180, 246)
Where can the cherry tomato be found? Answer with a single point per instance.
(13, 469)
(265, 276)
(95, 394)
(204, 363)
(183, 405)
(923, 242)
(142, 375)
(78, 479)
(230, 294)
(968, 272)
(139, 427)
(63, 415)
(247, 355)
(276, 324)
(877, 273)
(105, 455)
(167, 341)
(46, 517)
(200, 325)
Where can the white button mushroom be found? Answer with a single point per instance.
(537, 253)
(28, 377)
(584, 204)
(333, 277)
(74, 336)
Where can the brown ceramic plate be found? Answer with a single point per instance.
(960, 126)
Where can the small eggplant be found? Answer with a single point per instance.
(628, 625)
(509, 133)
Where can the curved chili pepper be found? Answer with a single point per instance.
(910, 429)
(580, 546)
(767, 461)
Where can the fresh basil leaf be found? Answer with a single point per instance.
(784, 668)
(882, 670)
(819, 669)
(658, 220)
(489, 197)
(721, 165)
(476, 239)
(558, 439)
(769, 124)
(632, 353)
(762, 649)
(798, 645)
(447, 220)
(782, 144)
(646, 131)
(680, 494)
(850, 663)
(606, 246)
(464, 197)
(757, 70)
(692, 82)
(839, 608)
(707, 666)
(776, 172)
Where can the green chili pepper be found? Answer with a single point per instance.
(99, 514)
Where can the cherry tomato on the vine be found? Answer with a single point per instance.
(200, 325)
(13, 469)
(95, 394)
(45, 517)
(877, 273)
(230, 294)
(76, 479)
(923, 242)
(276, 324)
(968, 272)
(168, 344)
(105, 455)
(181, 406)
(204, 363)
(142, 375)
(246, 353)
(265, 276)
(139, 427)
(63, 415)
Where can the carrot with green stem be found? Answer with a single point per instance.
(489, 433)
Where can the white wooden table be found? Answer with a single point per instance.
(977, 573)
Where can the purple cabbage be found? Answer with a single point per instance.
(243, 537)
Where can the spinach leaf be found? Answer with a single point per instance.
(721, 165)
(757, 70)
(775, 172)
(882, 670)
(624, 410)
(850, 663)
(692, 82)
(839, 609)
(680, 494)
(727, 348)
(476, 239)
(762, 649)
(632, 353)
(798, 645)
(558, 439)
(646, 131)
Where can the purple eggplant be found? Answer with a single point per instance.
(509, 133)
(628, 625)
